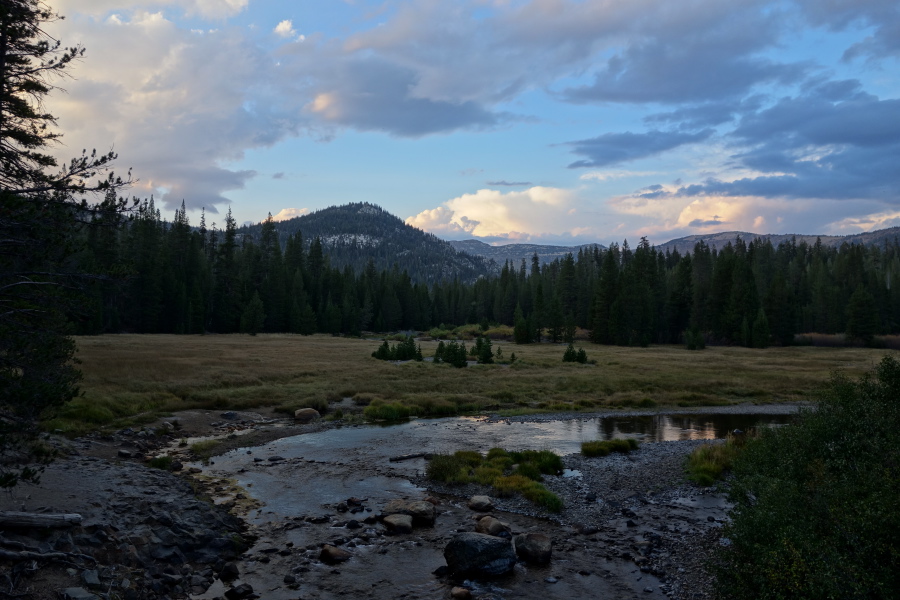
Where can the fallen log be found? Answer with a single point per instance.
(23, 519)
(425, 455)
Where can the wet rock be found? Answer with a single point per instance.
(399, 523)
(229, 572)
(124, 454)
(584, 529)
(306, 415)
(91, 578)
(331, 554)
(276, 458)
(353, 524)
(422, 513)
(481, 503)
(289, 579)
(176, 465)
(245, 590)
(460, 593)
(78, 593)
(229, 416)
(479, 554)
(491, 526)
(534, 547)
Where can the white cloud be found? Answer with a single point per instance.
(620, 174)
(208, 9)
(175, 105)
(285, 29)
(517, 215)
(289, 213)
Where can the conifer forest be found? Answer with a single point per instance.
(156, 276)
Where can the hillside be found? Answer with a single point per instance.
(718, 240)
(517, 252)
(354, 233)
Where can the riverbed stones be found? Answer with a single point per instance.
(479, 554)
(533, 547)
(399, 523)
(481, 503)
(306, 415)
(491, 526)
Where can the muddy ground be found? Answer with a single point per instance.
(631, 526)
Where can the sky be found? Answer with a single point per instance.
(539, 121)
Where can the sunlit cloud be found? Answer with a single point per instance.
(487, 213)
(285, 29)
(290, 213)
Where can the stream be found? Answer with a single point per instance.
(299, 480)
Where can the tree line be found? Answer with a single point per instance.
(170, 277)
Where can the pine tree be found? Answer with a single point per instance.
(43, 208)
(254, 316)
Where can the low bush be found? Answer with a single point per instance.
(605, 447)
(382, 411)
(815, 503)
(404, 350)
(161, 462)
(205, 449)
(363, 399)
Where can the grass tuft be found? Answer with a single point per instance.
(603, 448)
(709, 463)
(496, 470)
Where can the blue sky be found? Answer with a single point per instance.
(547, 121)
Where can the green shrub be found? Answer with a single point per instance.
(448, 468)
(205, 449)
(161, 462)
(603, 448)
(363, 399)
(406, 349)
(466, 466)
(387, 412)
(485, 475)
(710, 462)
(815, 503)
(529, 470)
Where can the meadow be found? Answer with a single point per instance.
(133, 379)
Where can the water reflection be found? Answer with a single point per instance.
(665, 428)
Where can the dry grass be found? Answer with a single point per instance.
(130, 378)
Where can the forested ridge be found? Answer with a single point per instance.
(163, 277)
(354, 234)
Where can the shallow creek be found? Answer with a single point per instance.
(312, 473)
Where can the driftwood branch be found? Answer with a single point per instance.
(24, 519)
(29, 555)
(425, 455)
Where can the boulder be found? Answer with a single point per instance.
(533, 547)
(460, 593)
(481, 503)
(399, 523)
(479, 554)
(331, 554)
(306, 415)
(491, 526)
(422, 512)
(244, 590)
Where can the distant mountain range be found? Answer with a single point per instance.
(518, 252)
(353, 234)
(719, 240)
